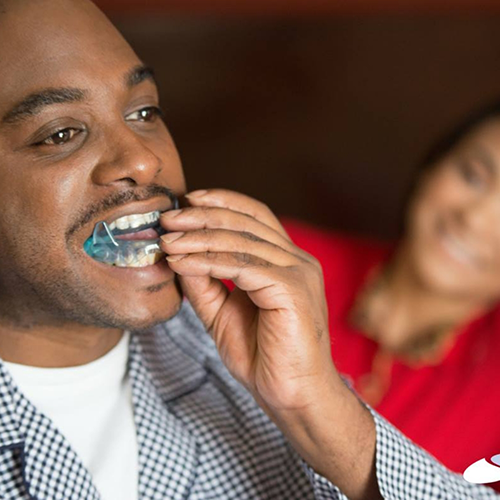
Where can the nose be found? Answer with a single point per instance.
(127, 159)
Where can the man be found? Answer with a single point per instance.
(89, 410)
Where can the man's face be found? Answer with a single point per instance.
(80, 142)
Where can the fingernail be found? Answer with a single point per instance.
(197, 194)
(171, 237)
(171, 214)
(175, 258)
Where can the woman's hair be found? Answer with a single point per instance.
(444, 145)
(447, 142)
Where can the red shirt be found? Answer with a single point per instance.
(452, 409)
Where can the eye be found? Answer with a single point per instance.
(148, 114)
(60, 137)
(472, 174)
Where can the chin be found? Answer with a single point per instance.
(159, 308)
(138, 310)
(442, 277)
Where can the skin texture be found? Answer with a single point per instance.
(447, 267)
(68, 166)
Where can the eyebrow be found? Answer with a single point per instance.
(34, 103)
(139, 74)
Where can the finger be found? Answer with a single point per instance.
(238, 203)
(194, 218)
(226, 241)
(258, 277)
(209, 297)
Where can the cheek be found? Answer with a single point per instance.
(439, 195)
(34, 214)
(172, 174)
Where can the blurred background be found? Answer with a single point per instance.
(321, 109)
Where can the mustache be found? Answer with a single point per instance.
(117, 200)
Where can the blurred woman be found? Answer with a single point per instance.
(415, 326)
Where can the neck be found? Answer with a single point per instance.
(400, 311)
(56, 346)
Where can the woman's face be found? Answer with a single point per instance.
(453, 224)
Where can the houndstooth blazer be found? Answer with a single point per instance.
(200, 435)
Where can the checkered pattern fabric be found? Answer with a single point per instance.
(406, 472)
(201, 437)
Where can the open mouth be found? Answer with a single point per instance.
(129, 241)
(456, 248)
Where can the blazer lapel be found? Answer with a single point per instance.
(161, 372)
(36, 460)
(11, 442)
(52, 469)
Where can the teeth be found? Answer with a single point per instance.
(134, 220)
(137, 258)
(456, 248)
(143, 261)
(122, 223)
(129, 258)
(121, 262)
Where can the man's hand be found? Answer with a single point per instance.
(272, 329)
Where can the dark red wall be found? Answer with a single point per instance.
(321, 118)
(294, 7)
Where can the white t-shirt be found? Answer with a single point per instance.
(92, 406)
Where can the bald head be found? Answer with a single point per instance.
(33, 20)
(21, 7)
(40, 40)
(9, 5)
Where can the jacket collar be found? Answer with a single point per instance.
(175, 368)
(161, 372)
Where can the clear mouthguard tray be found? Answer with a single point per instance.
(103, 246)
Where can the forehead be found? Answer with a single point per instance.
(482, 141)
(59, 44)
(487, 132)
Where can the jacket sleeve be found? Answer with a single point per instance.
(406, 472)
